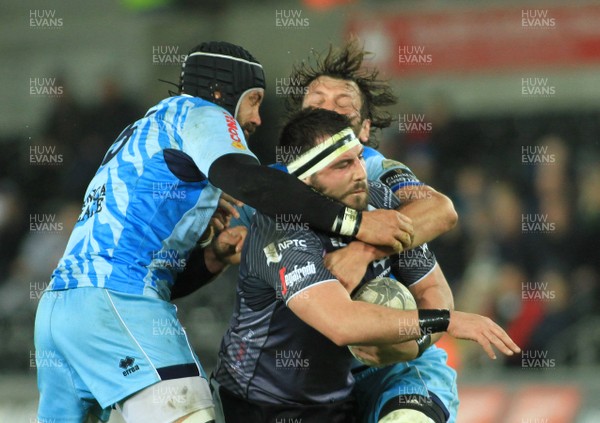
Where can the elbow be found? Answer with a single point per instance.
(340, 340)
(450, 219)
(340, 337)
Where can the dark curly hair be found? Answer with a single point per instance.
(345, 63)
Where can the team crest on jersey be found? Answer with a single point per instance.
(273, 250)
(232, 128)
(273, 256)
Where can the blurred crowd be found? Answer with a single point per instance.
(43, 177)
(525, 251)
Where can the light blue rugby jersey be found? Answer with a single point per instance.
(139, 220)
(394, 174)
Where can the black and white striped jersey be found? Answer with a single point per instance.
(269, 355)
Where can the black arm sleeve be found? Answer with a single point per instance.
(272, 191)
(193, 277)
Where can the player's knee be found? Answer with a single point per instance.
(206, 415)
(405, 416)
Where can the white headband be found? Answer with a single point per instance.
(321, 155)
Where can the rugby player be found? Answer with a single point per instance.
(288, 305)
(426, 386)
(106, 314)
(423, 388)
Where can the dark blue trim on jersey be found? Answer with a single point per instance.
(182, 165)
(406, 184)
(279, 166)
(178, 371)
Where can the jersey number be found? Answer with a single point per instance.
(118, 144)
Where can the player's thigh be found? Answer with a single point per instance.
(63, 395)
(176, 400)
(123, 343)
(440, 379)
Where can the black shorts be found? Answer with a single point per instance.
(240, 410)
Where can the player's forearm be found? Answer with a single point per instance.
(432, 213)
(370, 252)
(435, 293)
(370, 324)
(273, 192)
(202, 267)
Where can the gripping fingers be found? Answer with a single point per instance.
(228, 204)
(228, 207)
(406, 230)
(231, 200)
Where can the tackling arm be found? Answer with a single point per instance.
(275, 193)
(328, 308)
(431, 212)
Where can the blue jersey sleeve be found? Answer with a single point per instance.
(210, 132)
(394, 174)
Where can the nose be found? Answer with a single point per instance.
(255, 118)
(330, 104)
(360, 173)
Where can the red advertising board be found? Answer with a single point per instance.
(481, 39)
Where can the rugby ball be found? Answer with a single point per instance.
(387, 292)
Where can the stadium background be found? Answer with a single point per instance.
(499, 109)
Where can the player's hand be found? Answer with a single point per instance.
(227, 246)
(348, 264)
(384, 355)
(481, 330)
(225, 211)
(387, 228)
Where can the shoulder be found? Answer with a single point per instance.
(381, 196)
(206, 110)
(393, 173)
(281, 237)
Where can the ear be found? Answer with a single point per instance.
(365, 130)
